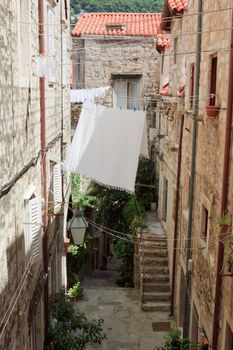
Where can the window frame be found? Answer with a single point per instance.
(24, 21)
(213, 80)
(191, 85)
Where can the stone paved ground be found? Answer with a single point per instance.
(126, 326)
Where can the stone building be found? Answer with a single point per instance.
(34, 133)
(117, 50)
(190, 154)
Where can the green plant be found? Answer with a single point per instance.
(125, 251)
(224, 220)
(76, 291)
(175, 341)
(77, 256)
(69, 329)
(80, 199)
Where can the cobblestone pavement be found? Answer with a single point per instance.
(126, 326)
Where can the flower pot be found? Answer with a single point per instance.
(212, 111)
(224, 228)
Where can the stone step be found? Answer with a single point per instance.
(156, 296)
(155, 238)
(156, 278)
(154, 245)
(150, 253)
(156, 287)
(154, 269)
(155, 261)
(152, 307)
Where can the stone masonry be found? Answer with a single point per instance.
(21, 290)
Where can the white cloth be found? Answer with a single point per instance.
(87, 95)
(107, 144)
(41, 66)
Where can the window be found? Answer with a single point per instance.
(66, 9)
(162, 62)
(127, 93)
(204, 223)
(165, 194)
(33, 223)
(78, 64)
(213, 81)
(51, 46)
(64, 58)
(24, 40)
(115, 27)
(57, 188)
(175, 50)
(191, 95)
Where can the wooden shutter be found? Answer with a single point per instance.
(51, 47)
(120, 94)
(213, 81)
(35, 222)
(57, 188)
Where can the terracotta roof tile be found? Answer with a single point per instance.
(163, 41)
(178, 5)
(132, 24)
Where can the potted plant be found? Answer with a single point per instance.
(212, 111)
(228, 265)
(224, 222)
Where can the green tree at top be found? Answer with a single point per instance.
(116, 6)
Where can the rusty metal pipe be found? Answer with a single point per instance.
(43, 159)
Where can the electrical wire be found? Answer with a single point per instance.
(146, 20)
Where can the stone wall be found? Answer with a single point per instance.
(19, 144)
(209, 159)
(101, 59)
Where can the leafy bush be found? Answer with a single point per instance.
(70, 330)
(116, 6)
(125, 251)
(76, 291)
(174, 341)
(77, 256)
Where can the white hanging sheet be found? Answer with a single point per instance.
(107, 144)
(88, 95)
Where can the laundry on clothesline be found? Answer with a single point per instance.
(88, 95)
(107, 144)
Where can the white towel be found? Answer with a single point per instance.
(107, 144)
(88, 95)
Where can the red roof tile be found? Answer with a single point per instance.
(162, 42)
(178, 5)
(136, 24)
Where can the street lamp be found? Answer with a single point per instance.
(77, 228)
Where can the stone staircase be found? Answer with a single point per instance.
(154, 283)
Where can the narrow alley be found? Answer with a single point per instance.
(127, 327)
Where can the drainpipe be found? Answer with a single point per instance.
(193, 171)
(43, 159)
(225, 187)
(176, 214)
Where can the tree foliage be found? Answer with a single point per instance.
(116, 6)
(70, 329)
